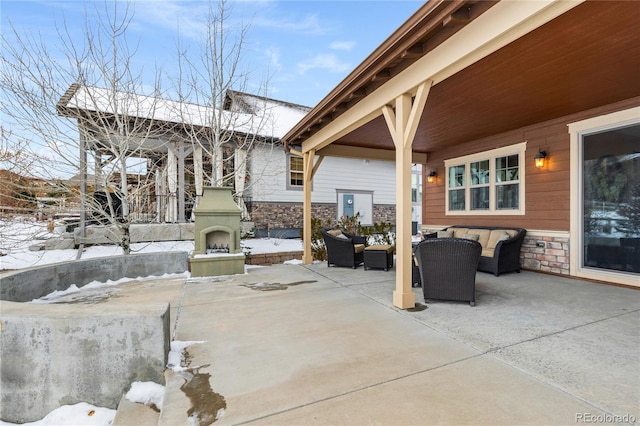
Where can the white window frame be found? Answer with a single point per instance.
(491, 155)
(290, 186)
(577, 130)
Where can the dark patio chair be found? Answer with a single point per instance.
(343, 249)
(448, 268)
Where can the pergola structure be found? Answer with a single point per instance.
(185, 146)
(462, 70)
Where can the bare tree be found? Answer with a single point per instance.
(85, 108)
(233, 122)
(91, 82)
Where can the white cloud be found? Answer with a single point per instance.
(307, 25)
(187, 18)
(324, 61)
(273, 59)
(342, 45)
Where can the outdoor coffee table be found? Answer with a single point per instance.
(378, 256)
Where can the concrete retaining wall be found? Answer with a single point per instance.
(96, 234)
(53, 355)
(32, 283)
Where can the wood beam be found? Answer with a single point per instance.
(382, 75)
(459, 17)
(346, 151)
(414, 51)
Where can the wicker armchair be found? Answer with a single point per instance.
(343, 249)
(448, 268)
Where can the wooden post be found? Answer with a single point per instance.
(307, 169)
(403, 123)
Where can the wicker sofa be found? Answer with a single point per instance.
(500, 245)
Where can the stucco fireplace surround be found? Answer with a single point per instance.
(217, 248)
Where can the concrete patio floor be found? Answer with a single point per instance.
(299, 345)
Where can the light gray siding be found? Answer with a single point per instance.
(269, 178)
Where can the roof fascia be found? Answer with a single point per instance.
(500, 25)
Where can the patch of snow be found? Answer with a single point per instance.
(58, 295)
(77, 414)
(147, 393)
(176, 354)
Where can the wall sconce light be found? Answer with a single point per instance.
(539, 159)
(432, 176)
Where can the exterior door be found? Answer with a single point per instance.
(611, 200)
(347, 205)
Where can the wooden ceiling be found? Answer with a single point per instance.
(587, 57)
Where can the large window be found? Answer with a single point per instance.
(611, 199)
(490, 182)
(605, 197)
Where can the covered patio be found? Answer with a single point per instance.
(461, 77)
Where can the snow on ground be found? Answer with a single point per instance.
(77, 414)
(17, 236)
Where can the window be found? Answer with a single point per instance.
(486, 183)
(296, 173)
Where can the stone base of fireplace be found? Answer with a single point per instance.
(212, 265)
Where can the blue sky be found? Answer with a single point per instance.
(310, 46)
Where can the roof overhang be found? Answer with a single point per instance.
(494, 67)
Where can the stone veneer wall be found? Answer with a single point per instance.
(289, 215)
(384, 213)
(553, 257)
(265, 259)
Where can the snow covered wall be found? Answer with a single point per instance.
(27, 284)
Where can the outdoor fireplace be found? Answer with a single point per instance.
(217, 248)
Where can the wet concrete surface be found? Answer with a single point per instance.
(331, 349)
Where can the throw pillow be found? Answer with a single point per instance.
(495, 237)
(473, 237)
(445, 234)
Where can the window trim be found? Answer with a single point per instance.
(289, 186)
(340, 207)
(491, 155)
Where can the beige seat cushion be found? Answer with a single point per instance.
(495, 237)
(483, 236)
(379, 247)
(459, 232)
(472, 237)
(445, 234)
(358, 248)
(487, 252)
(337, 233)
